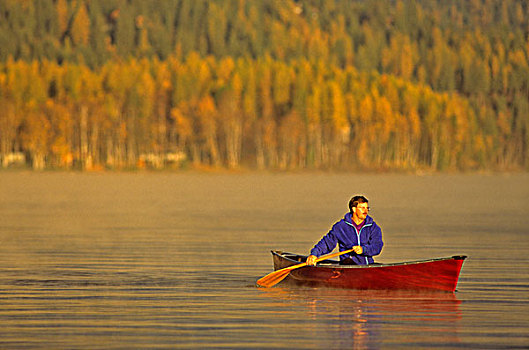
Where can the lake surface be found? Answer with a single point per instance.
(161, 260)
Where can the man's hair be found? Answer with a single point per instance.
(355, 200)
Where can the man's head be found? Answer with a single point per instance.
(359, 207)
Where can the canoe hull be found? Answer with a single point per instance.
(435, 274)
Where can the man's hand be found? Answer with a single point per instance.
(358, 249)
(311, 260)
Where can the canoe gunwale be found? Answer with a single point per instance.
(334, 263)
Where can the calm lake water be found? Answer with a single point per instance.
(143, 260)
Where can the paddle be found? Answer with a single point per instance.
(277, 276)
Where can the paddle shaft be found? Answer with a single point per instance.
(332, 255)
(277, 276)
(323, 257)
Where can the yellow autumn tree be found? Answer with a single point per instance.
(81, 26)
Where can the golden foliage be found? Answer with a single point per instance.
(222, 113)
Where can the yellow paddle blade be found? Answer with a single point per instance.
(273, 278)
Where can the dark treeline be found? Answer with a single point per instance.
(267, 84)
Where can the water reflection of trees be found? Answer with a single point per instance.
(373, 319)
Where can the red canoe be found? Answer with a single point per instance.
(434, 274)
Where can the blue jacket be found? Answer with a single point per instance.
(344, 234)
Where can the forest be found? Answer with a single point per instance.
(438, 85)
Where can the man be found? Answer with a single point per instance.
(357, 231)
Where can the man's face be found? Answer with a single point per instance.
(361, 210)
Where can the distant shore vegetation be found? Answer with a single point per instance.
(435, 85)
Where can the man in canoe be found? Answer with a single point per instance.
(357, 231)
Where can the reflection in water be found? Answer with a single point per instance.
(355, 318)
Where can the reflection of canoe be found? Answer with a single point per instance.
(434, 274)
(360, 318)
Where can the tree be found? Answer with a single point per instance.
(207, 116)
(124, 30)
(80, 32)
